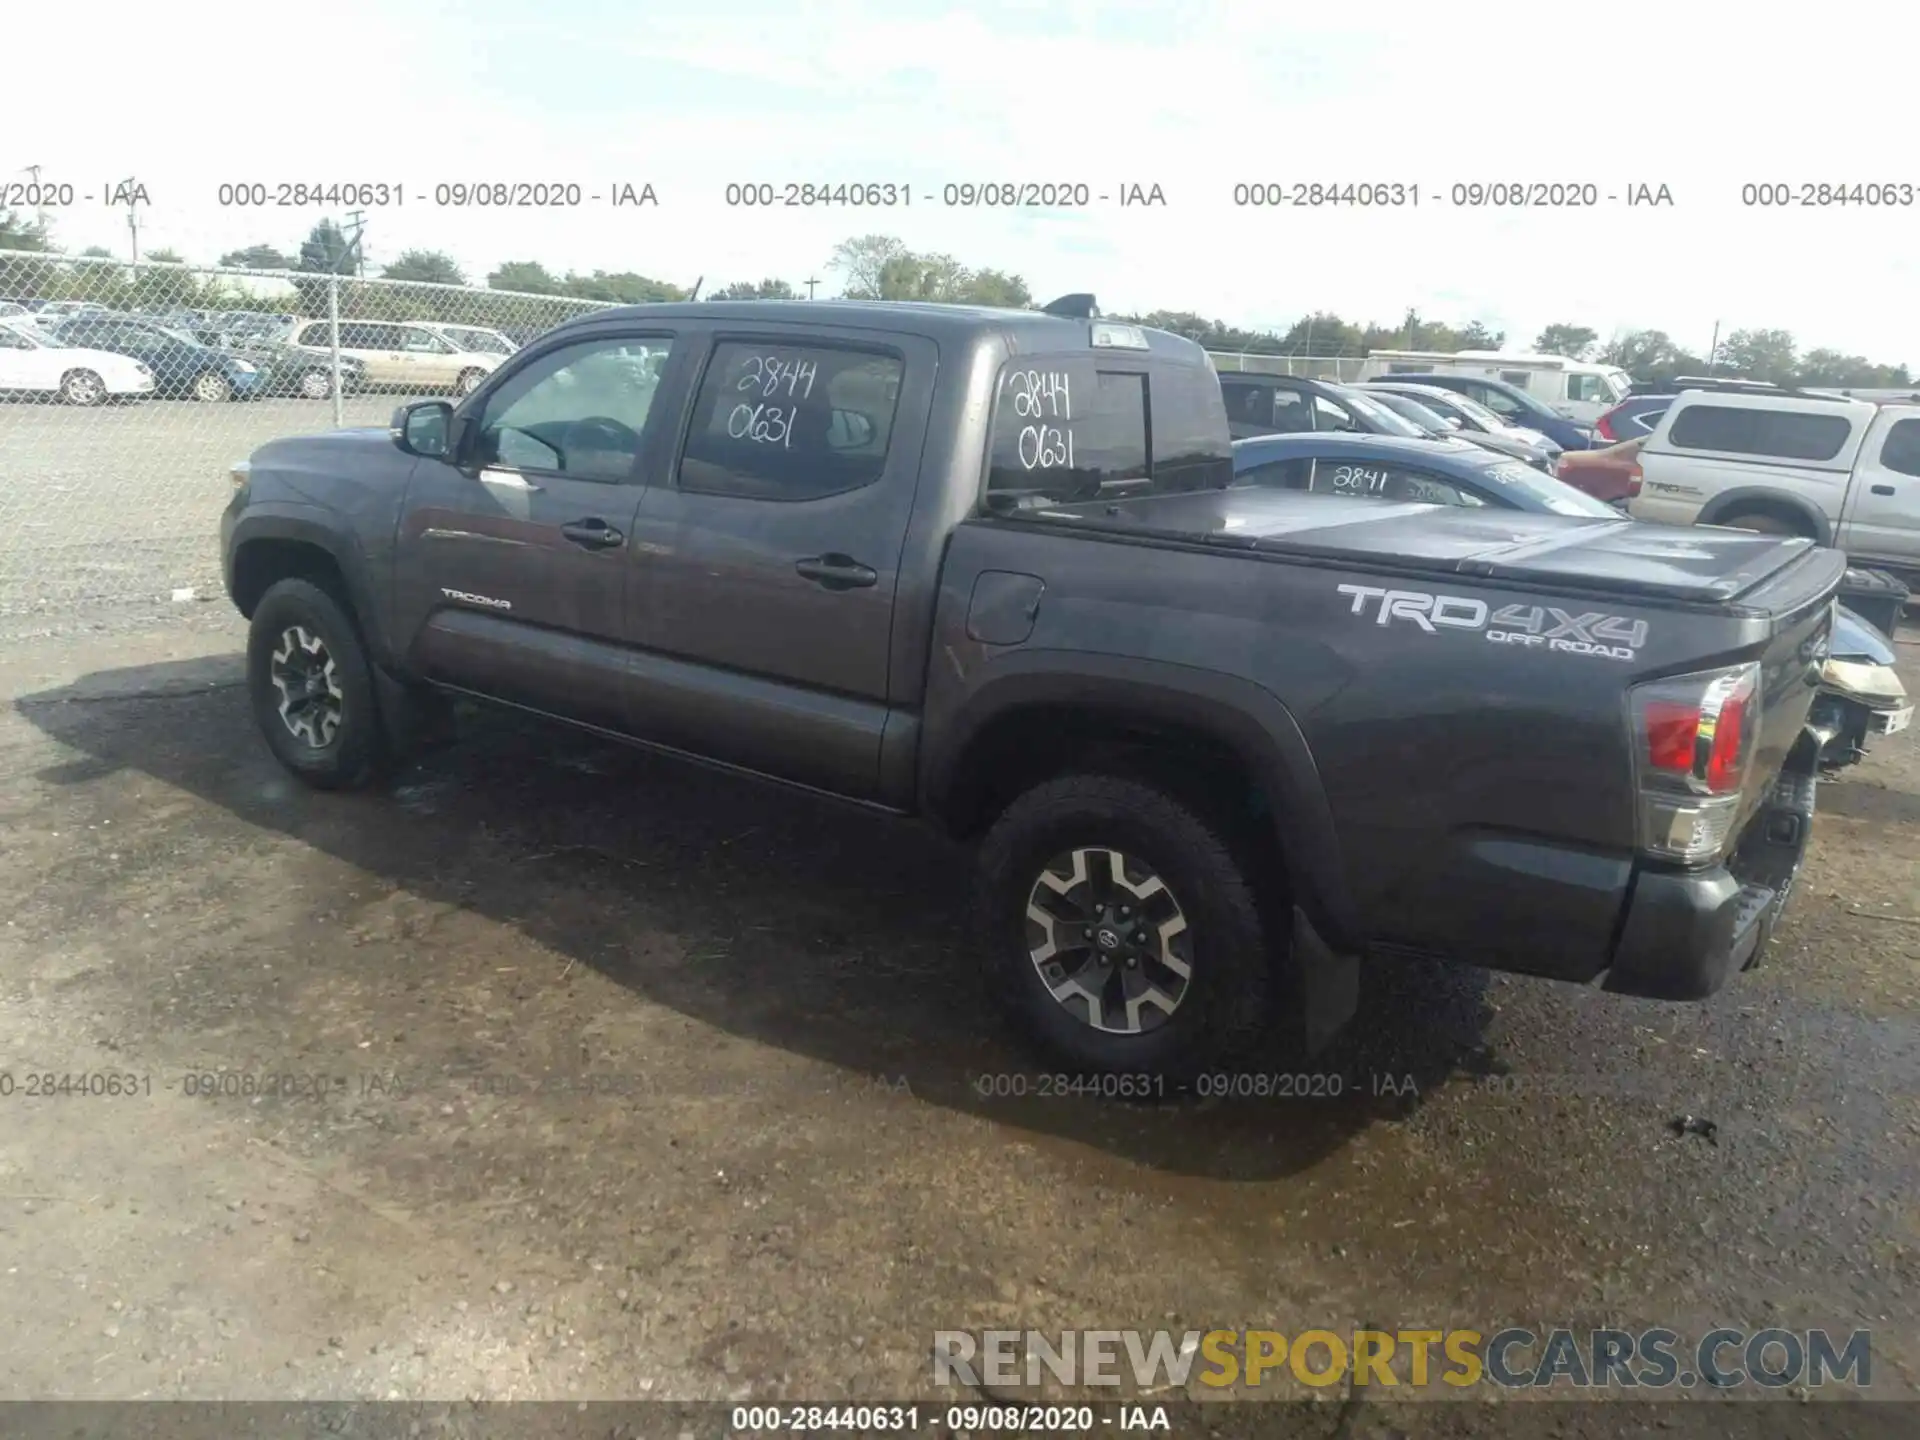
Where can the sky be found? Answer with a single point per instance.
(1194, 98)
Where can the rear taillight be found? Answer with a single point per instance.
(1634, 476)
(1603, 427)
(1693, 750)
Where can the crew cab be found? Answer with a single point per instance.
(989, 568)
(1790, 462)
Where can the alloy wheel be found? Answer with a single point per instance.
(1109, 940)
(312, 704)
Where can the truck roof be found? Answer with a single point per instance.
(1027, 331)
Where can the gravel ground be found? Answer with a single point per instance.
(106, 512)
(608, 1079)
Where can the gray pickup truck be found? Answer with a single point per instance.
(988, 567)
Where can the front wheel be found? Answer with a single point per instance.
(312, 687)
(470, 381)
(211, 389)
(316, 385)
(82, 387)
(1120, 931)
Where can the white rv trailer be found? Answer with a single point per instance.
(1581, 390)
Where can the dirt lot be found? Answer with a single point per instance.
(605, 1078)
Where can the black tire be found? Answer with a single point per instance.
(1225, 1009)
(355, 750)
(83, 387)
(1763, 522)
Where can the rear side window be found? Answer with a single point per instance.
(1785, 434)
(1067, 431)
(1901, 450)
(791, 422)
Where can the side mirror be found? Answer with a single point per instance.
(421, 428)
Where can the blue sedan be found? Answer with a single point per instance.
(1387, 467)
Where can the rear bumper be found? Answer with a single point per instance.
(1687, 933)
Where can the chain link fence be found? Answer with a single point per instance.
(130, 390)
(127, 392)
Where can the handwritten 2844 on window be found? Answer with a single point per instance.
(772, 389)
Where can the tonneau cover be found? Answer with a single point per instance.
(1702, 565)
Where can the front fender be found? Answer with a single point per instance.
(289, 520)
(1238, 714)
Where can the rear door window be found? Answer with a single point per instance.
(1739, 430)
(785, 422)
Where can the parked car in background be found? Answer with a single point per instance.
(1580, 390)
(9, 308)
(33, 364)
(181, 365)
(1611, 473)
(1472, 421)
(63, 309)
(291, 369)
(1638, 416)
(1509, 402)
(404, 356)
(1861, 693)
(1790, 462)
(1392, 468)
(1279, 404)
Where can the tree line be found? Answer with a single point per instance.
(876, 267)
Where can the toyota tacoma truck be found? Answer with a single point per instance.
(1213, 745)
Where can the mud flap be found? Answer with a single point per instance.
(415, 720)
(1328, 984)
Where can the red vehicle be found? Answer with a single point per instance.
(1611, 474)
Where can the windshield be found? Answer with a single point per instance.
(1538, 491)
(185, 337)
(1619, 383)
(1407, 408)
(1372, 409)
(1476, 412)
(31, 333)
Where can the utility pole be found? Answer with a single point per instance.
(39, 209)
(811, 282)
(357, 219)
(1713, 348)
(133, 219)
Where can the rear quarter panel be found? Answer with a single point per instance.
(1436, 757)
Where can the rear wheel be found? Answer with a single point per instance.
(470, 381)
(1120, 931)
(82, 387)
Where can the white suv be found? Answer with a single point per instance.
(1842, 472)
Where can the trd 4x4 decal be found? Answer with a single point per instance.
(1545, 627)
